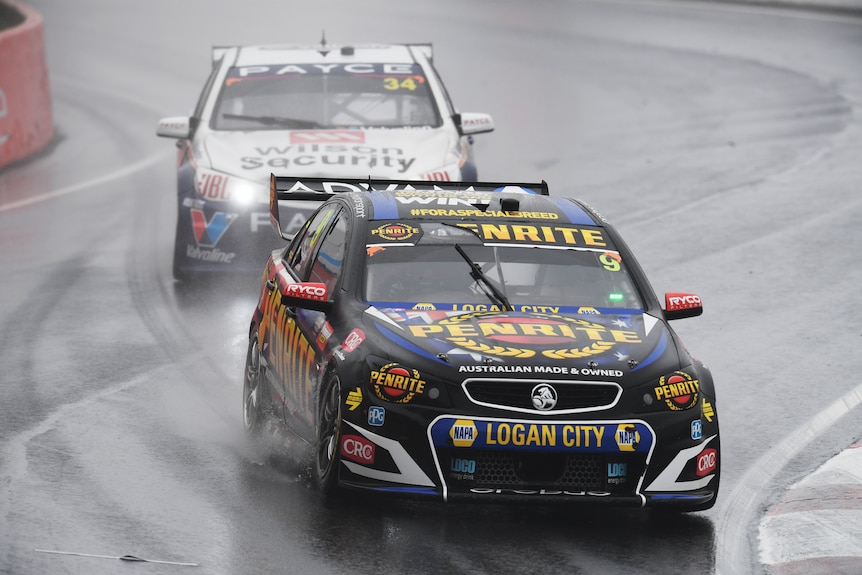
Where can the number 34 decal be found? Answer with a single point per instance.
(403, 83)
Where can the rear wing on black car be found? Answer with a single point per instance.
(320, 189)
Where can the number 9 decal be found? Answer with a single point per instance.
(611, 262)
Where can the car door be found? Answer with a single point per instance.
(316, 256)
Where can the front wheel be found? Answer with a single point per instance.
(328, 434)
(252, 390)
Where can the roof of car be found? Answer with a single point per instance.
(326, 54)
(442, 205)
(456, 202)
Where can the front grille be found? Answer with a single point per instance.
(554, 470)
(608, 473)
(517, 394)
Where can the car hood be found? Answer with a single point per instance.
(624, 347)
(384, 153)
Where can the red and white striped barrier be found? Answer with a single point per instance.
(26, 123)
(816, 528)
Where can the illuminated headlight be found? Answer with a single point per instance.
(244, 192)
(216, 186)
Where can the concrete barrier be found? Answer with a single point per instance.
(26, 123)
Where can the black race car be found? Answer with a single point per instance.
(481, 341)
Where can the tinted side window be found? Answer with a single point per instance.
(448, 99)
(301, 251)
(202, 99)
(327, 265)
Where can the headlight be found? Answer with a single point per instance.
(216, 186)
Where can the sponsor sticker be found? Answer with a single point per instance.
(396, 232)
(212, 186)
(696, 429)
(208, 233)
(561, 234)
(354, 398)
(617, 473)
(396, 383)
(462, 469)
(588, 311)
(541, 492)
(679, 301)
(707, 462)
(542, 436)
(353, 339)
(376, 415)
(463, 433)
(327, 136)
(324, 335)
(358, 449)
(308, 291)
(627, 437)
(552, 336)
(463, 465)
(679, 391)
(708, 410)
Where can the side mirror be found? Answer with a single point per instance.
(679, 305)
(178, 127)
(306, 295)
(473, 123)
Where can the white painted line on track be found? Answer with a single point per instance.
(13, 450)
(115, 175)
(109, 177)
(739, 509)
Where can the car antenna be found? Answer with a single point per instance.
(323, 39)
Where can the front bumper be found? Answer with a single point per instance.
(623, 462)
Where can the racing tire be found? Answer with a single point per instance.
(179, 274)
(328, 435)
(252, 390)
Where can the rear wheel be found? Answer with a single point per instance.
(252, 390)
(328, 434)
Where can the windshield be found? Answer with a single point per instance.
(297, 96)
(432, 270)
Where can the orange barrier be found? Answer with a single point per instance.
(26, 123)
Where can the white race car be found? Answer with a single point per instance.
(359, 111)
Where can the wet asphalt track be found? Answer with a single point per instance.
(722, 140)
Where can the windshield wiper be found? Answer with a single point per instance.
(275, 121)
(478, 275)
